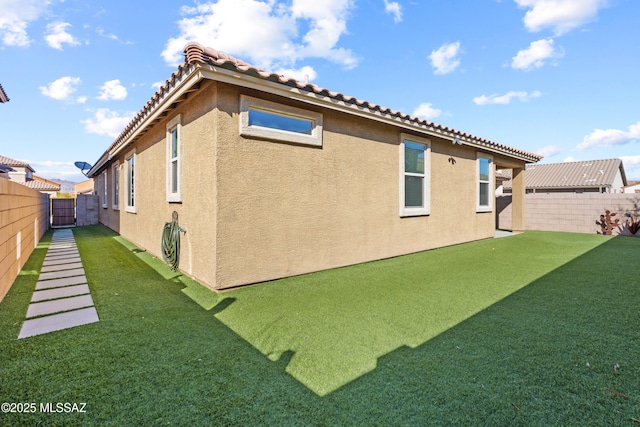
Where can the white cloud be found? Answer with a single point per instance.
(15, 16)
(535, 56)
(548, 151)
(57, 35)
(394, 8)
(112, 90)
(631, 167)
(302, 74)
(107, 122)
(266, 33)
(62, 89)
(559, 15)
(506, 98)
(445, 59)
(427, 111)
(610, 137)
(569, 159)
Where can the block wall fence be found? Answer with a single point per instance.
(24, 218)
(570, 212)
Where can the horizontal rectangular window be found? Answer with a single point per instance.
(276, 121)
(269, 120)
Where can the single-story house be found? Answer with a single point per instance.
(273, 177)
(591, 176)
(22, 173)
(44, 185)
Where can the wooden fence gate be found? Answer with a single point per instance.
(63, 212)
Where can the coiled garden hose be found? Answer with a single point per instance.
(171, 242)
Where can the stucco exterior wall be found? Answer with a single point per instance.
(24, 218)
(286, 209)
(258, 210)
(196, 211)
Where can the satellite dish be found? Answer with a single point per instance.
(83, 166)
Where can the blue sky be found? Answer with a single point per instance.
(554, 77)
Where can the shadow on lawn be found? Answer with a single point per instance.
(338, 330)
(542, 354)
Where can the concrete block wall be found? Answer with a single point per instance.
(569, 211)
(86, 210)
(24, 218)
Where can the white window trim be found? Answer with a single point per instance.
(115, 201)
(426, 188)
(127, 175)
(175, 123)
(249, 102)
(489, 207)
(105, 193)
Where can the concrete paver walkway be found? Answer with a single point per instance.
(62, 298)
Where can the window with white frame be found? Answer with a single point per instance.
(485, 176)
(116, 187)
(130, 170)
(415, 176)
(174, 147)
(104, 189)
(260, 118)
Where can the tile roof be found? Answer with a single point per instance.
(198, 57)
(41, 185)
(3, 95)
(8, 161)
(196, 53)
(584, 174)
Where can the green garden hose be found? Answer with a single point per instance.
(171, 242)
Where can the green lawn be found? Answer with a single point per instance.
(524, 330)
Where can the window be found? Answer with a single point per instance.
(130, 182)
(415, 181)
(174, 148)
(268, 120)
(116, 187)
(104, 189)
(485, 175)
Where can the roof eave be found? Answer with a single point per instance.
(224, 75)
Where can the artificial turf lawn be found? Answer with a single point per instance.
(524, 330)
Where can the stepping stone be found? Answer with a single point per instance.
(61, 255)
(67, 291)
(61, 261)
(56, 246)
(57, 305)
(57, 322)
(61, 274)
(57, 283)
(61, 267)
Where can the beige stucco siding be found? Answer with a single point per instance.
(196, 211)
(287, 209)
(257, 210)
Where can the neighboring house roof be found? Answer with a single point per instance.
(584, 174)
(13, 162)
(201, 62)
(6, 169)
(3, 95)
(44, 185)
